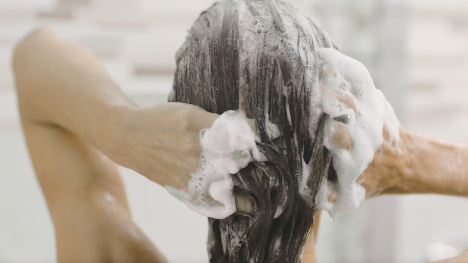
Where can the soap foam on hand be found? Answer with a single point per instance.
(350, 79)
(228, 146)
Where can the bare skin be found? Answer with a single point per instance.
(426, 167)
(74, 118)
(422, 166)
(78, 122)
(63, 84)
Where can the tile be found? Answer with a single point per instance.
(15, 15)
(62, 13)
(26, 4)
(105, 47)
(75, 2)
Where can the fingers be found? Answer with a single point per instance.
(243, 203)
(388, 147)
(253, 125)
(386, 134)
(333, 196)
(272, 129)
(348, 67)
(204, 119)
(380, 174)
(345, 99)
(341, 137)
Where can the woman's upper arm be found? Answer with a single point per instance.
(86, 199)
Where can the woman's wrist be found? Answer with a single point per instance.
(114, 136)
(384, 175)
(162, 142)
(431, 166)
(407, 168)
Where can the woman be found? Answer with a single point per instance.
(73, 114)
(261, 56)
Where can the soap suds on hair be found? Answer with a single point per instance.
(263, 57)
(364, 124)
(228, 146)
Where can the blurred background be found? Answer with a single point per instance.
(416, 51)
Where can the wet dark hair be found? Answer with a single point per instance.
(260, 56)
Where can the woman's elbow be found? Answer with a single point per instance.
(28, 46)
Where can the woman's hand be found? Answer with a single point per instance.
(424, 166)
(384, 174)
(163, 142)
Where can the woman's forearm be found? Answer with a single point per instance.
(62, 84)
(420, 166)
(434, 167)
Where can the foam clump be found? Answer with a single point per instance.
(228, 146)
(354, 106)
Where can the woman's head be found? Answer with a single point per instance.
(260, 56)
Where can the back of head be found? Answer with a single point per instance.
(260, 56)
